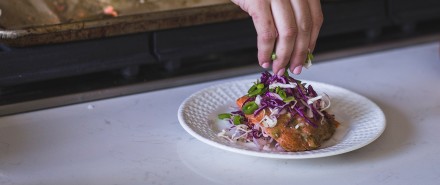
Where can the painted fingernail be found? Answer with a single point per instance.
(265, 65)
(281, 72)
(297, 70)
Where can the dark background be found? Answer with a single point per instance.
(37, 72)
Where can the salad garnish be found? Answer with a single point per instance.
(269, 99)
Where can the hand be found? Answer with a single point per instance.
(287, 27)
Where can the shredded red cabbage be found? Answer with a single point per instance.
(297, 104)
(300, 92)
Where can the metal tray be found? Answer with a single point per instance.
(34, 22)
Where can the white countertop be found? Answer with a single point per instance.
(138, 140)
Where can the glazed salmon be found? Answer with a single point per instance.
(251, 118)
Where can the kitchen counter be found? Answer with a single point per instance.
(137, 139)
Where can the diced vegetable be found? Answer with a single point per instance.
(273, 56)
(224, 116)
(249, 107)
(237, 120)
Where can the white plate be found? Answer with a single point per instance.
(362, 121)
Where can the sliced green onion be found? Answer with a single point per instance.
(273, 56)
(256, 92)
(282, 93)
(224, 116)
(260, 86)
(289, 99)
(253, 88)
(308, 61)
(249, 107)
(310, 56)
(237, 119)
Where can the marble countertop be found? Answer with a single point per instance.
(137, 139)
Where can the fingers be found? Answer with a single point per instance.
(317, 19)
(303, 18)
(289, 28)
(266, 32)
(286, 25)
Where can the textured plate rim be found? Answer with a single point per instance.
(284, 155)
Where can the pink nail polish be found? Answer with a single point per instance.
(281, 72)
(297, 70)
(265, 65)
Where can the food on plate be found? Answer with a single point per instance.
(281, 113)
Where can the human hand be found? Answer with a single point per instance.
(287, 27)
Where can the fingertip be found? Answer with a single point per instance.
(281, 72)
(297, 70)
(264, 59)
(265, 65)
